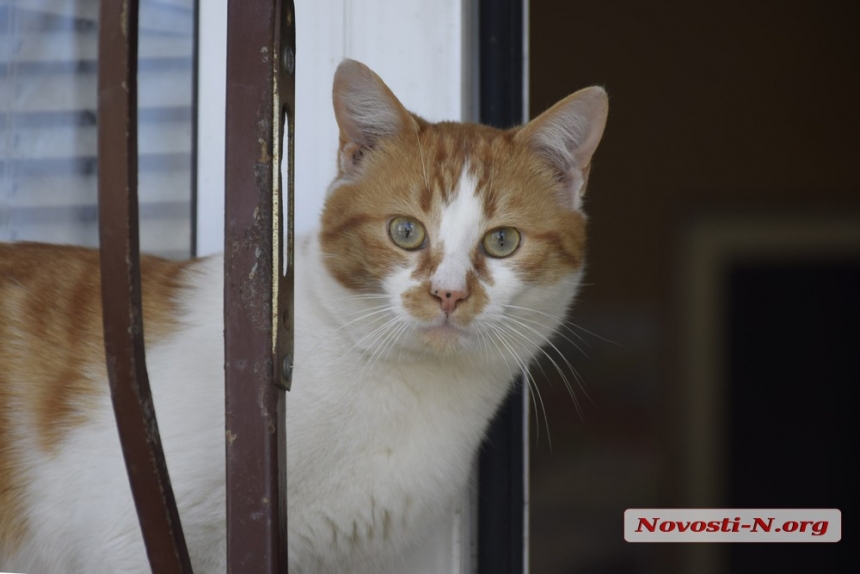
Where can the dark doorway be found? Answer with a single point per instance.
(793, 342)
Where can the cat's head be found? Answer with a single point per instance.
(458, 232)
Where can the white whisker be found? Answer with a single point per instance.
(557, 333)
(372, 333)
(384, 333)
(529, 379)
(564, 378)
(362, 296)
(389, 345)
(565, 323)
(370, 310)
(562, 322)
(575, 373)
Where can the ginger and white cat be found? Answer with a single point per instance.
(447, 255)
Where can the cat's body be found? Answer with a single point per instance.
(408, 332)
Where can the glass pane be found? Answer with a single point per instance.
(48, 84)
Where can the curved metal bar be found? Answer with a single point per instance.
(121, 292)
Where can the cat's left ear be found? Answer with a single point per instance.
(567, 135)
(366, 112)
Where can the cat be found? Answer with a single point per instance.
(447, 255)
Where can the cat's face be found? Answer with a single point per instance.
(450, 230)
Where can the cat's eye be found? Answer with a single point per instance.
(406, 232)
(501, 242)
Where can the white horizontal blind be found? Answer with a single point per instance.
(48, 99)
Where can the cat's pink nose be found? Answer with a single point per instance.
(449, 299)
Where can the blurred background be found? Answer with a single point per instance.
(724, 266)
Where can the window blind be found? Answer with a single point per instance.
(48, 99)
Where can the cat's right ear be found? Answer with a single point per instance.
(566, 137)
(366, 111)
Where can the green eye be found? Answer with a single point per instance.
(406, 232)
(501, 242)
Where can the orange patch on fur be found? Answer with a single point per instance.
(470, 307)
(548, 256)
(52, 351)
(420, 303)
(429, 260)
(13, 527)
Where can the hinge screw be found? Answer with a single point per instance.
(289, 60)
(287, 370)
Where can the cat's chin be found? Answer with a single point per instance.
(443, 337)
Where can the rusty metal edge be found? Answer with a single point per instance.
(121, 291)
(284, 103)
(255, 401)
(284, 107)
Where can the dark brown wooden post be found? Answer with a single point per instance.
(121, 300)
(258, 295)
